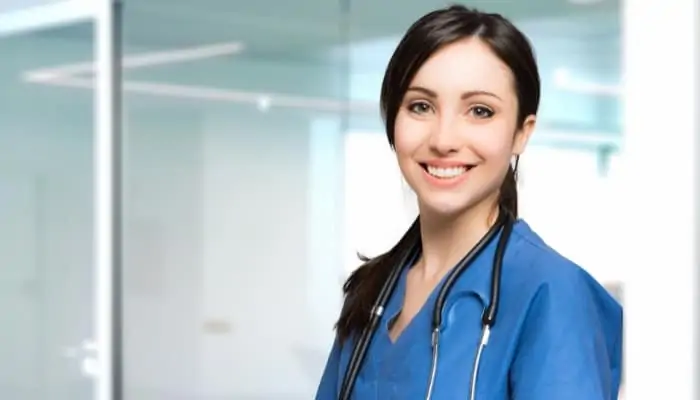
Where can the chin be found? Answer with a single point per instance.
(444, 207)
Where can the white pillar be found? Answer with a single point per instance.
(661, 46)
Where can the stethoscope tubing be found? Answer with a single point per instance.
(465, 262)
(505, 223)
(360, 351)
(488, 319)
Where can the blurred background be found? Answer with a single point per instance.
(255, 168)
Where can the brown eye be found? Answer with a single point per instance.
(419, 107)
(481, 112)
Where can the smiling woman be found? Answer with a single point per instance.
(459, 99)
(462, 87)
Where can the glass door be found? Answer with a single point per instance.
(49, 308)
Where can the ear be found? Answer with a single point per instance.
(522, 136)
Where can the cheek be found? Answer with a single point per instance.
(408, 136)
(495, 147)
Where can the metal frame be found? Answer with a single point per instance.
(108, 200)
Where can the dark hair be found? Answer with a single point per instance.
(429, 34)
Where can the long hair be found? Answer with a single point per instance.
(426, 36)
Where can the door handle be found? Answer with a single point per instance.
(87, 355)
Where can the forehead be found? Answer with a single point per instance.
(466, 65)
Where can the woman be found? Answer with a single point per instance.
(460, 99)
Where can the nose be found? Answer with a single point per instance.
(444, 138)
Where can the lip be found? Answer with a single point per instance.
(446, 163)
(446, 183)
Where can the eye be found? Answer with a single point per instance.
(419, 107)
(481, 112)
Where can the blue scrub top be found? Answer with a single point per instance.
(558, 335)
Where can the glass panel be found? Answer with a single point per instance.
(46, 278)
(233, 186)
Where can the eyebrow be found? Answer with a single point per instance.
(465, 95)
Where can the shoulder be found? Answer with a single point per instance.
(561, 307)
(540, 271)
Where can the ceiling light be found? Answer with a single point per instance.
(263, 103)
(585, 2)
(46, 16)
(140, 60)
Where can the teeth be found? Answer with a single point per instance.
(446, 172)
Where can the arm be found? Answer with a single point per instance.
(569, 346)
(328, 387)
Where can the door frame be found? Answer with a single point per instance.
(108, 200)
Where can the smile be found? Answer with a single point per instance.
(446, 172)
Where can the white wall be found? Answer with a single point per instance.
(661, 175)
(162, 251)
(226, 295)
(573, 207)
(379, 205)
(255, 263)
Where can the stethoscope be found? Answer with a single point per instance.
(505, 223)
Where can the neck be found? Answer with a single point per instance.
(445, 240)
